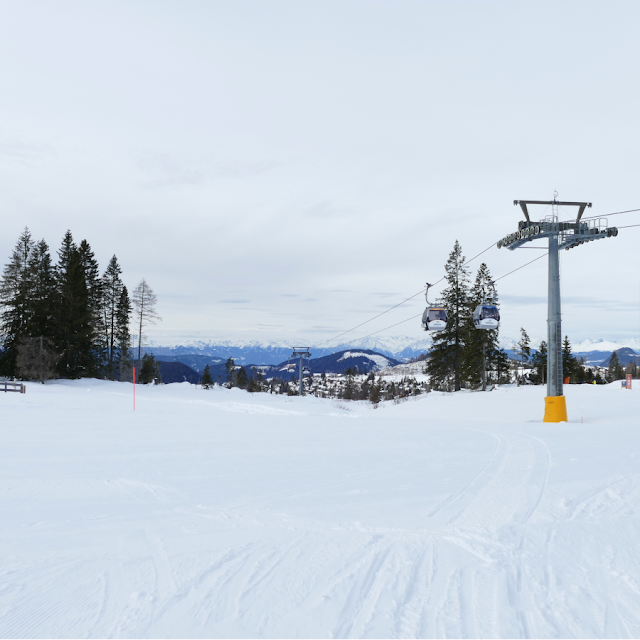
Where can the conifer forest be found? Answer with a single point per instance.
(65, 318)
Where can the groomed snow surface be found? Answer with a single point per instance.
(223, 514)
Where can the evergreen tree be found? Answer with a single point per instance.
(123, 360)
(570, 365)
(230, 369)
(375, 396)
(241, 378)
(523, 352)
(523, 348)
(42, 292)
(349, 392)
(616, 372)
(446, 364)
(539, 362)
(111, 289)
(73, 330)
(365, 389)
(252, 385)
(95, 293)
(14, 302)
(207, 380)
(149, 371)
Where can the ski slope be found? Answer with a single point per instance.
(221, 514)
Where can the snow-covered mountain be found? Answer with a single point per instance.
(400, 348)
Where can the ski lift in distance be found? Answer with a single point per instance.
(434, 318)
(306, 371)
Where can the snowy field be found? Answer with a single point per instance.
(220, 514)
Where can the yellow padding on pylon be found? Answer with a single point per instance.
(555, 409)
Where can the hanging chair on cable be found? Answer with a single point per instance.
(434, 318)
(486, 316)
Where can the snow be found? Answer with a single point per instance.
(604, 345)
(223, 514)
(380, 361)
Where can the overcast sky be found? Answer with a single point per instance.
(289, 169)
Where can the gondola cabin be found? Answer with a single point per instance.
(434, 319)
(306, 371)
(486, 316)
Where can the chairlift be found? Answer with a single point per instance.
(433, 318)
(486, 316)
(306, 371)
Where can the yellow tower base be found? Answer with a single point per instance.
(555, 409)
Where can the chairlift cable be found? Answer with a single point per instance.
(521, 267)
(493, 244)
(606, 215)
(414, 317)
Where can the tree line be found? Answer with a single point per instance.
(66, 319)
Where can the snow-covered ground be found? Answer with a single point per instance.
(216, 513)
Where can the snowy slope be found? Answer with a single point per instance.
(221, 514)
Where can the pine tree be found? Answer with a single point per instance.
(446, 364)
(14, 302)
(111, 289)
(73, 330)
(230, 370)
(95, 293)
(523, 349)
(252, 385)
(149, 371)
(349, 392)
(123, 361)
(376, 393)
(616, 372)
(241, 378)
(570, 365)
(539, 361)
(42, 293)
(207, 380)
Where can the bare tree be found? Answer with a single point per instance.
(36, 359)
(144, 305)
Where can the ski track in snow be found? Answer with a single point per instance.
(220, 514)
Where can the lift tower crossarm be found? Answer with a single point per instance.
(523, 205)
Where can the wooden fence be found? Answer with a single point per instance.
(18, 387)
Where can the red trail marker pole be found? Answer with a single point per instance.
(134, 388)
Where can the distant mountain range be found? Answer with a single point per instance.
(273, 352)
(196, 354)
